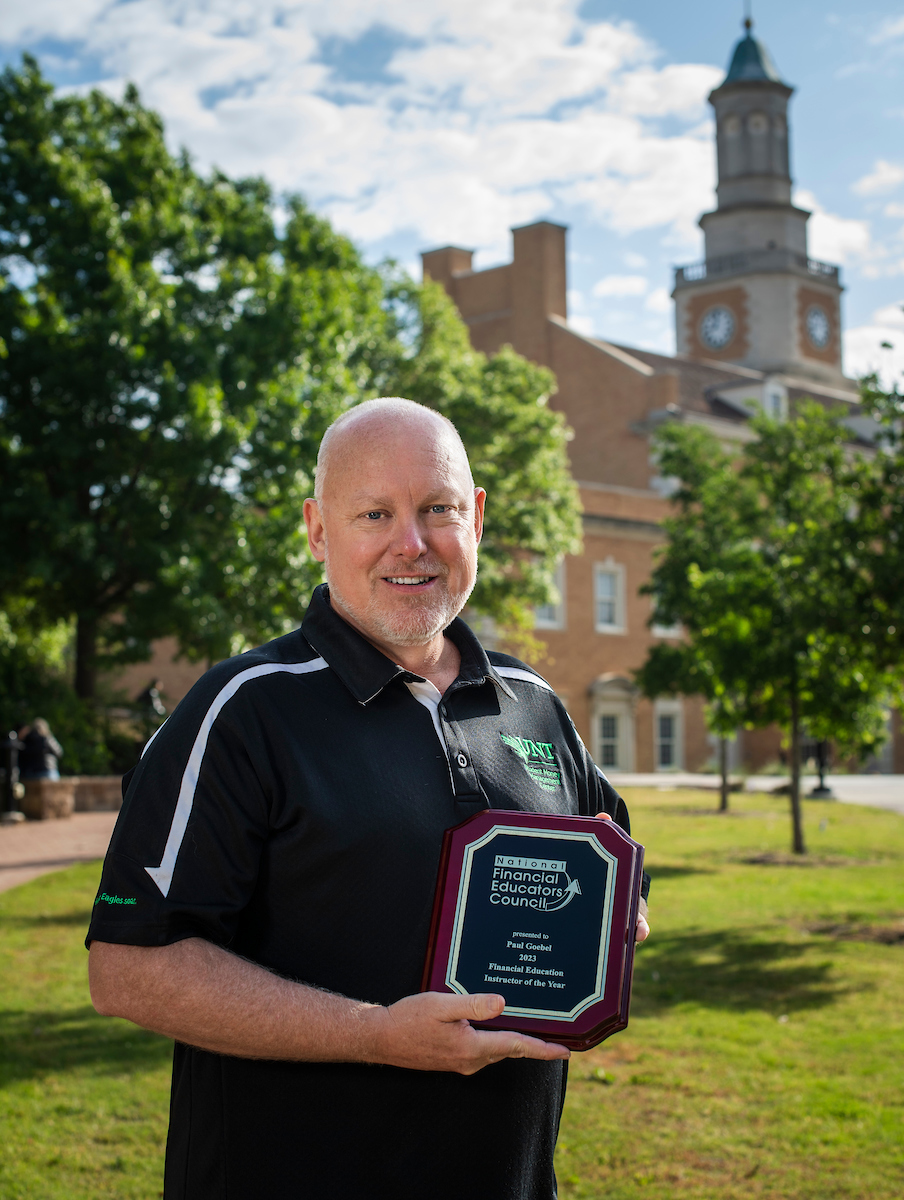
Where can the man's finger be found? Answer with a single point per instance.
(603, 817)
(519, 1045)
(482, 1006)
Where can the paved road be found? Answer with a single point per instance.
(873, 791)
(33, 848)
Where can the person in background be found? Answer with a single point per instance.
(153, 710)
(40, 758)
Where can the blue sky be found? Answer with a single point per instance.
(415, 124)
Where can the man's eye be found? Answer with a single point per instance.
(373, 516)
(439, 508)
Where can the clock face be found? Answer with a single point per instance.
(818, 327)
(717, 327)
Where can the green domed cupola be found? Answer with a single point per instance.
(751, 61)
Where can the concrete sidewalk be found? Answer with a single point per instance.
(33, 848)
(873, 791)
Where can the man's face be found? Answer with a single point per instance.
(397, 529)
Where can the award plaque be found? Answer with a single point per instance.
(541, 910)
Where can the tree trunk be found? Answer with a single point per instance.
(723, 769)
(86, 657)
(797, 844)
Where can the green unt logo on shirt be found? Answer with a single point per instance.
(103, 897)
(538, 759)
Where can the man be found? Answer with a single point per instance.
(267, 894)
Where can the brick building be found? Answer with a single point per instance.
(757, 323)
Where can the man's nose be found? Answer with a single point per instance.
(409, 540)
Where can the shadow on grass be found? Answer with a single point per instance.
(45, 920)
(33, 1043)
(676, 872)
(730, 971)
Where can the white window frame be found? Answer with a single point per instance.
(624, 712)
(665, 631)
(775, 400)
(555, 615)
(669, 708)
(620, 624)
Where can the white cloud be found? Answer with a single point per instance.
(635, 261)
(890, 317)
(893, 210)
(485, 115)
(832, 238)
(891, 28)
(677, 88)
(885, 177)
(582, 324)
(877, 346)
(620, 285)
(658, 301)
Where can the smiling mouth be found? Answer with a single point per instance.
(408, 580)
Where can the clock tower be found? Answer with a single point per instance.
(758, 299)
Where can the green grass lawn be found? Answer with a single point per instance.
(765, 1055)
(83, 1099)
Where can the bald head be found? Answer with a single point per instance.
(376, 420)
(396, 520)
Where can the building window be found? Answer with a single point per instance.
(609, 597)
(552, 616)
(661, 629)
(667, 631)
(775, 400)
(609, 741)
(612, 702)
(668, 735)
(665, 740)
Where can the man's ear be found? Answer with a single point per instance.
(316, 533)
(480, 499)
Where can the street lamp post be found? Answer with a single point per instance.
(821, 792)
(12, 789)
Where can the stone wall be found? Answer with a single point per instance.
(98, 793)
(54, 799)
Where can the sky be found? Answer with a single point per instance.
(414, 124)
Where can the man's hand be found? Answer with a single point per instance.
(431, 1032)
(642, 929)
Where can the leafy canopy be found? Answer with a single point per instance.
(772, 567)
(172, 354)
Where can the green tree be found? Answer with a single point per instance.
(876, 537)
(516, 443)
(171, 357)
(698, 668)
(34, 682)
(763, 572)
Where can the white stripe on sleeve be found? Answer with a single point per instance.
(526, 676)
(163, 875)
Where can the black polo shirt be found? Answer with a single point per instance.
(292, 810)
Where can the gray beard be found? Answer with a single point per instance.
(413, 626)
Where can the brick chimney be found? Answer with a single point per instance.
(538, 287)
(445, 264)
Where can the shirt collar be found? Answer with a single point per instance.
(365, 671)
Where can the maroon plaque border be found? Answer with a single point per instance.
(607, 1015)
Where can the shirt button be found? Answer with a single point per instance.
(462, 761)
